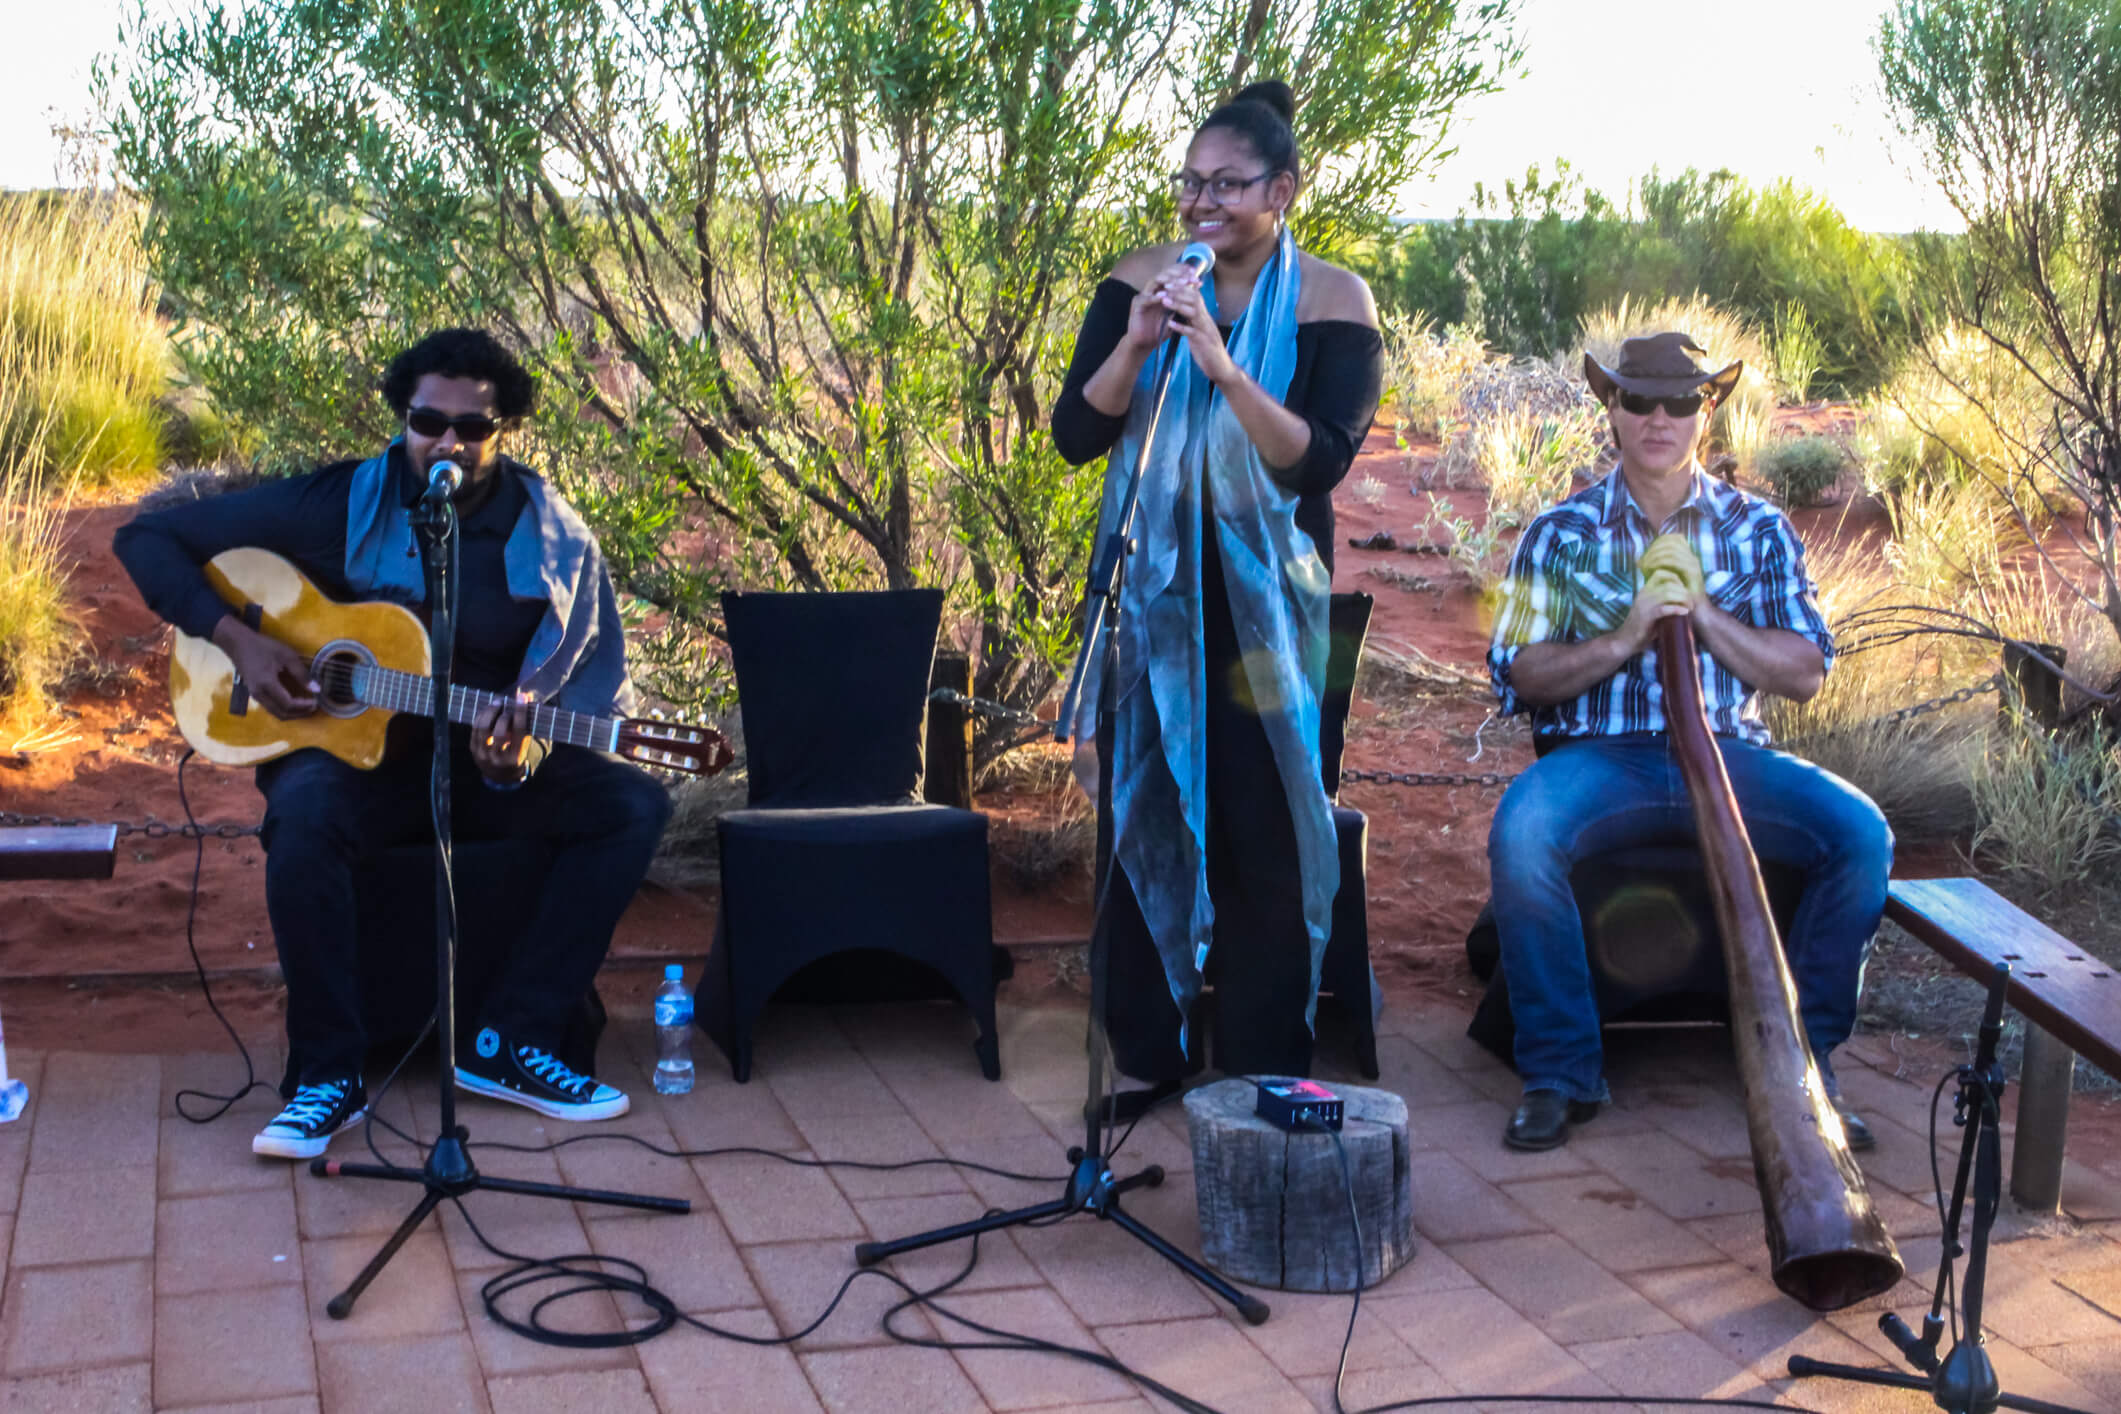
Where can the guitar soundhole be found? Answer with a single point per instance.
(334, 668)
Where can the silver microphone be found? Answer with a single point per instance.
(443, 478)
(1202, 259)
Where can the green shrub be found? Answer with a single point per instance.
(1527, 264)
(799, 281)
(1800, 471)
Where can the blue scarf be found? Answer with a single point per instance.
(1277, 587)
(577, 657)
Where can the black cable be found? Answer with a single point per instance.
(223, 1103)
(610, 1274)
(1347, 1178)
(729, 1149)
(1015, 1340)
(1948, 1278)
(530, 1272)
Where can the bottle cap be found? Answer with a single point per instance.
(673, 972)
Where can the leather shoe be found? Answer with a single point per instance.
(1859, 1133)
(1542, 1120)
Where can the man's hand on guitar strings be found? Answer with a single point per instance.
(276, 675)
(500, 741)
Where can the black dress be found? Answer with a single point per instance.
(1259, 959)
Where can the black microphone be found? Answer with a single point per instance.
(443, 479)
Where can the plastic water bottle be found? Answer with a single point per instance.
(673, 1033)
(14, 1095)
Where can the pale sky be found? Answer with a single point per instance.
(1781, 91)
(1787, 89)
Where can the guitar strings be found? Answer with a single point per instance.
(345, 679)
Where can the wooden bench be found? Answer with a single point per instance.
(58, 851)
(2071, 1002)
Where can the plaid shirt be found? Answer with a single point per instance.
(1573, 578)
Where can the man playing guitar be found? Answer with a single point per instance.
(537, 620)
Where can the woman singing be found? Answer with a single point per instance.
(1223, 847)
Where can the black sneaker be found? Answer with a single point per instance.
(536, 1079)
(305, 1127)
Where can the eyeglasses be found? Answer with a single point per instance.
(1680, 407)
(1187, 187)
(429, 423)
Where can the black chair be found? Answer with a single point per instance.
(395, 927)
(1650, 935)
(1344, 977)
(835, 850)
(1344, 983)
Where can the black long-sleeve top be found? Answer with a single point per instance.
(303, 518)
(1335, 388)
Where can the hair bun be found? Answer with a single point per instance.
(1270, 93)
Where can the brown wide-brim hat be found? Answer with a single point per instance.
(1660, 366)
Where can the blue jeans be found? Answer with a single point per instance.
(1608, 793)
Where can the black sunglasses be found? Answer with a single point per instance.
(429, 423)
(1685, 405)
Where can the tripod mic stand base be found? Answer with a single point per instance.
(1091, 1189)
(449, 1173)
(1964, 1384)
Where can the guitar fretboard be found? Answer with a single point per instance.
(410, 692)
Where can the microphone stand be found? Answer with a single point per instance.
(1091, 1187)
(1964, 1381)
(448, 1172)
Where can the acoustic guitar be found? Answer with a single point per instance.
(371, 660)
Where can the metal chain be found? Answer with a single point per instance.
(155, 829)
(1429, 778)
(151, 828)
(1992, 683)
(983, 707)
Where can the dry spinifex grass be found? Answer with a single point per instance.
(1916, 769)
(39, 635)
(1051, 836)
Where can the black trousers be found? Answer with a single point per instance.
(322, 817)
(1259, 960)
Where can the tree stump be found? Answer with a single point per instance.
(1273, 1204)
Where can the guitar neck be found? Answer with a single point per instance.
(411, 692)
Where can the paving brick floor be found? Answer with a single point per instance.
(154, 1264)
